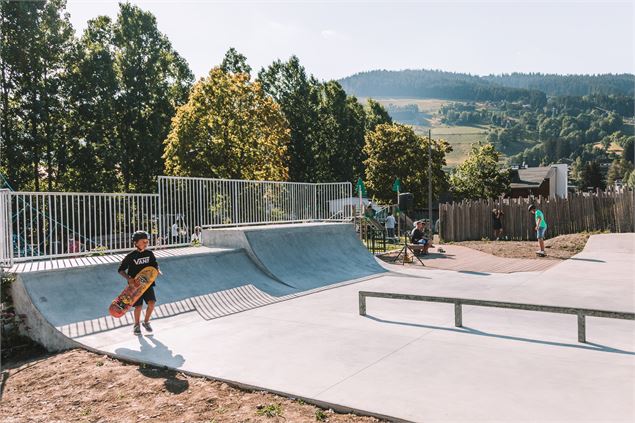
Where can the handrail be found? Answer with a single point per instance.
(459, 302)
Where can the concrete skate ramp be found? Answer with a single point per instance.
(71, 295)
(70, 303)
(304, 256)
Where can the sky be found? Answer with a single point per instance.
(334, 39)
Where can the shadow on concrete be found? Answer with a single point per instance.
(585, 259)
(472, 272)
(152, 352)
(431, 255)
(471, 331)
(405, 275)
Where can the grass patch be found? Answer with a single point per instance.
(270, 410)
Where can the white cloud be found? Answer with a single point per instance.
(331, 34)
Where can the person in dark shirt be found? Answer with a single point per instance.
(497, 223)
(130, 266)
(417, 236)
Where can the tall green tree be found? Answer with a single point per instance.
(480, 176)
(549, 131)
(93, 151)
(153, 81)
(376, 114)
(395, 151)
(235, 62)
(590, 176)
(229, 128)
(298, 96)
(619, 169)
(339, 147)
(36, 38)
(629, 150)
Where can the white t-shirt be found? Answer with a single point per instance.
(175, 230)
(390, 222)
(196, 237)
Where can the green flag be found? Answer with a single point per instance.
(396, 185)
(360, 188)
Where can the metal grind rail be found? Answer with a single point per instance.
(459, 302)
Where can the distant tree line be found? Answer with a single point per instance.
(435, 84)
(464, 114)
(568, 85)
(531, 88)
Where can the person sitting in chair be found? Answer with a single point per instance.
(417, 236)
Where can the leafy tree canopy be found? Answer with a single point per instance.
(395, 151)
(229, 128)
(480, 176)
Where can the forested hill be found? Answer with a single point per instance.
(572, 85)
(460, 86)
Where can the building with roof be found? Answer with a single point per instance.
(547, 181)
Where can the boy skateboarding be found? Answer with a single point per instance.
(130, 267)
(541, 227)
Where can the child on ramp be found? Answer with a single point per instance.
(130, 266)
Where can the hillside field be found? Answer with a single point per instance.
(459, 137)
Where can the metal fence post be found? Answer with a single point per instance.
(362, 304)
(581, 328)
(458, 315)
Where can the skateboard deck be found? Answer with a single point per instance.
(541, 254)
(132, 292)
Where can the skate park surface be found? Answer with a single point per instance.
(277, 309)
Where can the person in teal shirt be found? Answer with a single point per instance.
(541, 227)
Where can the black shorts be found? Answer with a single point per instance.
(147, 296)
(497, 225)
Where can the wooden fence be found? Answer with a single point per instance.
(602, 211)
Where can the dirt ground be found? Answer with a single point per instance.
(80, 386)
(560, 247)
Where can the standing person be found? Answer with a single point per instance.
(497, 223)
(541, 228)
(130, 266)
(175, 231)
(390, 225)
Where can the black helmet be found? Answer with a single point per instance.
(139, 235)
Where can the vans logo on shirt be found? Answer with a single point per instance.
(142, 260)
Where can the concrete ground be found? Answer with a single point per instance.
(461, 258)
(407, 360)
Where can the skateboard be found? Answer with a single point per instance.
(132, 292)
(541, 254)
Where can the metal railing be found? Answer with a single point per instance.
(581, 313)
(5, 228)
(55, 224)
(43, 225)
(187, 202)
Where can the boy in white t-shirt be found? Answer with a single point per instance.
(390, 225)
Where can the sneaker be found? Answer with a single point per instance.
(136, 330)
(147, 327)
